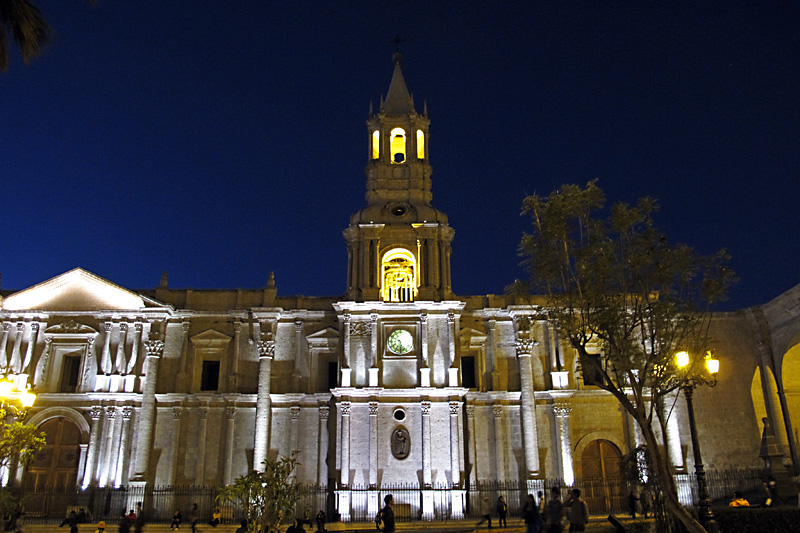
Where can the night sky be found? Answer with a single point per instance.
(222, 140)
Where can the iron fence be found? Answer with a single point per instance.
(438, 502)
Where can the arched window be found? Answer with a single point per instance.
(398, 276)
(56, 465)
(376, 144)
(420, 145)
(398, 145)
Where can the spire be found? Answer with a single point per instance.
(398, 100)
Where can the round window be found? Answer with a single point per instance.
(400, 341)
(399, 414)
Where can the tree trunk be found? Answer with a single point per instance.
(663, 472)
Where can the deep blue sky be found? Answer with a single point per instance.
(220, 141)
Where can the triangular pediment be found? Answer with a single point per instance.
(472, 337)
(211, 336)
(76, 290)
(327, 336)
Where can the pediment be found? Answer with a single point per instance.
(472, 337)
(211, 337)
(323, 337)
(76, 290)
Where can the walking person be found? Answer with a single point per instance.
(502, 512)
(138, 524)
(554, 512)
(531, 516)
(486, 511)
(632, 499)
(577, 511)
(387, 514)
(194, 517)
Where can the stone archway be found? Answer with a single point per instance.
(56, 465)
(601, 466)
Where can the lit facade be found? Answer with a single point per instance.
(399, 382)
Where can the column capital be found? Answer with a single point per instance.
(562, 409)
(154, 348)
(324, 412)
(454, 407)
(177, 413)
(525, 347)
(470, 411)
(111, 412)
(345, 406)
(127, 412)
(295, 413)
(423, 318)
(373, 408)
(96, 412)
(230, 412)
(426, 408)
(266, 349)
(497, 410)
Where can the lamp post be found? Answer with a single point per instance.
(16, 401)
(688, 384)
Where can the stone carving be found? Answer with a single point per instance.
(70, 326)
(562, 410)
(177, 413)
(373, 408)
(230, 412)
(111, 411)
(154, 348)
(426, 408)
(525, 346)
(359, 328)
(345, 408)
(454, 407)
(401, 443)
(266, 348)
(96, 412)
(127, 412)
(498, 411)
(470, 412)
(324, 411)
(295, 413)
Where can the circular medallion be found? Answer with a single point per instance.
(401, 443)
(400, 341)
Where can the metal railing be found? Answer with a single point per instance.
(438, 502)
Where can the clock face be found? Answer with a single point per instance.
(400, 342)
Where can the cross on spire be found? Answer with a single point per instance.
(397, 40)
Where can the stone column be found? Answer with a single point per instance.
(562, 411)
(233, 371)
(108, 470)
(200, 476)
(499, 446)
(470, 468)
(177, 415)
(230, 431)
(373, 444)
(455, 463)
(300, 356)
(266, 351)
(346, 341)
(3, 344)
(373, 341)
(345, 446)
(425, 365)
(120, 364)
(144, 434)
(294, 430)
(105, 356)
(29, 350)
(16, 359)
(184, 379)
(322, 452)
(137, 328)
(427, 475)
(530, 437)
(674, 438)
(127, 411)
(91, 455)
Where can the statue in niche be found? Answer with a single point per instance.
(401, 443)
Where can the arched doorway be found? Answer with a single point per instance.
(56, 465)
(603, 486)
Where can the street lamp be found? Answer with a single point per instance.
(17, 401)
(688, 383)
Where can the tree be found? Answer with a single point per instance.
(266, 496)
(25, 23)
(20, 442)
(627, 301)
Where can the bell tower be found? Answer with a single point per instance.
(398, 246)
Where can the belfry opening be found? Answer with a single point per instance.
(398, 276)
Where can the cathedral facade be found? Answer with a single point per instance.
(398, 382)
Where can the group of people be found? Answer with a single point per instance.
(544, 516)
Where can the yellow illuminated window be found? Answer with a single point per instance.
(376, 144)
(399, 276)
(398, 145)
(420, 145)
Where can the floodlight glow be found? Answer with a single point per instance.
(682, 358)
